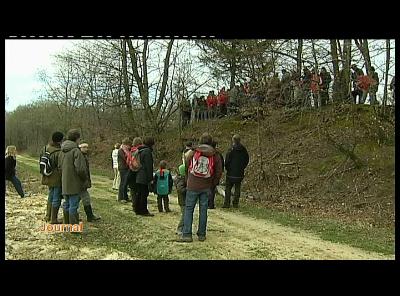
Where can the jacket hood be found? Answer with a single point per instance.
(206, 150)
(142, 147)
(238, 147)
(68, 145)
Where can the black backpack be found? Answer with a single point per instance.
(44, 163)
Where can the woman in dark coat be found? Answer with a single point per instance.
(11, 154)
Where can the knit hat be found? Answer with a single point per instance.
(57, 137)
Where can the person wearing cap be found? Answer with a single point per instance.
(84, 195)
(54, 180)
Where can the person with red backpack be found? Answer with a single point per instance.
(204, 170)
(134, 166)
(123, 156)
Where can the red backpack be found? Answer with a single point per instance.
(201, 166)
(133, 159)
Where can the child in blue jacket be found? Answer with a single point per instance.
(163, 186)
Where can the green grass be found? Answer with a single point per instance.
(379, 240)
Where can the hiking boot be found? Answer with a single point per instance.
(89, 214)
(226, 206)
(185, 239)
(65, 217)
(54, 215)
(201, 238)
(48, 212)
(148, 214)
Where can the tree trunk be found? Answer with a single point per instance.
(335, 63)
(233, 66)
(385, 92)
(346, 86)
(362, 45)
(299, 53)
(125, 82)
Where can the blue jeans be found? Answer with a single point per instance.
(17, 185)
(191, 200)
(71, 203)
(55, 196)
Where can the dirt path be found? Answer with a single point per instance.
(123, 235)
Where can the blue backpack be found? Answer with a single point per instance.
(162, 183)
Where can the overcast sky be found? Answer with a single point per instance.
(23, 59)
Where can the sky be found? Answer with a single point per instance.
(23, 59)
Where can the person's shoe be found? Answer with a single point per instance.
(211, 207)
(54, 215)
(235, 206)
(185, 239)
(201, 238)
(48, 212)
(148, 214)
(65, 217)
(226, 206)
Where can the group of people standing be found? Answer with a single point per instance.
(70, 178)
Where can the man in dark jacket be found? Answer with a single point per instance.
(236, 161)
(54, 180)
(144, 176)
(84, 195)
(72, 164)
(204, 170)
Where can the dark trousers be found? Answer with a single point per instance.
(141, 198)
(17, 185)
(228, 192)
(132, 186)
(123, 185)
(211, 198)
(163, 199)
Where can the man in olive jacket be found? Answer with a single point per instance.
(74, 175)
(236, 161)
(54, 180)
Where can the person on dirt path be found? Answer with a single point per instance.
(137, 142)
(144, 176)
(84, 195)
(163, 186)
(236, 161)
(123, 154)
(114, 157)
(10, 164)
(74, 174)
(53, 181)
(180, 183)
(204, 171)
(186, 150)
(211, 199)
